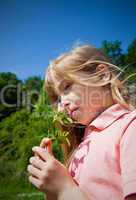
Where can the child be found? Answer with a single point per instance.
(103, 165)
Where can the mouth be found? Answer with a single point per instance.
(73, 112)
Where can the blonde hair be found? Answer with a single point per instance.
(79, 65)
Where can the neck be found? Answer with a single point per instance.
(108, 99)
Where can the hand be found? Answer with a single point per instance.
(47, 173)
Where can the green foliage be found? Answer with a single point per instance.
(113, 50)
(16, 94)
(7, 78)
(33, 83)
(131, 54)
(31, 88)
(8, 90)
(127, 62)
(54, 119)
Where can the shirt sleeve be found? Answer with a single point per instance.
(128, 159)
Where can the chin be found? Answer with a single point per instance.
(81, 119)
(87, 121)
(83, 122)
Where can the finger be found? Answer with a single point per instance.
(36, 155)
(35, 181)
(47, 144)
(44, 142)
(35, 161)
(34, 171)
(44, 155)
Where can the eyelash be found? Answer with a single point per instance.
(67, 86)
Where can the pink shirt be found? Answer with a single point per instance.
(104, 165)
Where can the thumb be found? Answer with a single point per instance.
(46, 143)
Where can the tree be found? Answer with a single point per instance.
(32, 87)
(33, 83)
(9, 84)
(131, 52)
(113, 50)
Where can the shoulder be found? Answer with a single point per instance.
(130, 119)
(128, 156)
(129, 129)
(131, 115)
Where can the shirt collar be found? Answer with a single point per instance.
(107, 117)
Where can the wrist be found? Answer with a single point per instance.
(50, 196)
(67, 190)
(72, 192)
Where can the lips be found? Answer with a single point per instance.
(70, 112)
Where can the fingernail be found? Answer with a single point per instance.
(34, 148)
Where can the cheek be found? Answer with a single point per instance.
(94, 98)
(76, 96)
(87, 102)
(86, 98)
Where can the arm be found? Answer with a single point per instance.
(73, 193)
(69, 191)
(128, 161)
(50, 197)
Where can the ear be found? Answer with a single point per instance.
(105, 73)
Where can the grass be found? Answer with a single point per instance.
(23, 196)
(18, 189)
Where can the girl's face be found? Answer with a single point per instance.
(82, 103)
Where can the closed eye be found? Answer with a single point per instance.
(67, 87)
(64, 87)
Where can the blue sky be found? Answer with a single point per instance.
(33, 32)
